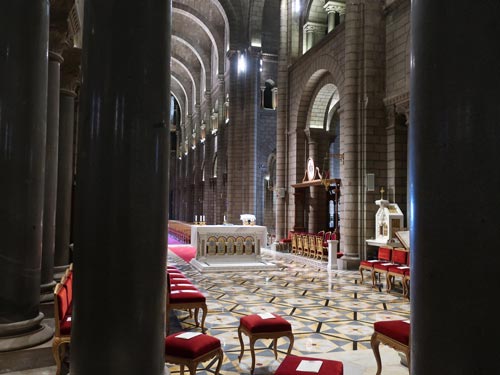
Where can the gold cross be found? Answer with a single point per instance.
(382, 192)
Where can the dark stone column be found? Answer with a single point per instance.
(70, 72)
(24, 27)
(122, 192)
(50, 190)
(454, 179)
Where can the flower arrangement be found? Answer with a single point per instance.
(247, 219)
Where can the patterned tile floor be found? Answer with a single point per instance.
(331, 314)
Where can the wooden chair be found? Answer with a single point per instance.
(300, 247)
(398, 271)
(321, 252)
(384, 254)
(191, 351)
(406, 283)
(312, 246)
(305, 245)
(393, 333)
(256, 327)
(398, 258)
(294, 243)
(62, 322)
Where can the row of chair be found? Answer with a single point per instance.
(391, 263)
(312, 245)
(183, 295)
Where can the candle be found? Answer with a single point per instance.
(195, 218)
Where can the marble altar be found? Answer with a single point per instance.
(229, 247)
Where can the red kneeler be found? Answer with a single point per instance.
(190, 352)
(255, 327)
(328, 367)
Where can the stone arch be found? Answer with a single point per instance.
(202, 58)
(307, 79)
(208, 29)
(326, 95)
(185, 69)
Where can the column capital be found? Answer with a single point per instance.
(59, 40)
(334, 7)
(312, 27)
(71, 71)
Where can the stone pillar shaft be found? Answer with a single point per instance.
(454, 179)
(122, 191)
(50, 190)
(24, 29)
(64, 177)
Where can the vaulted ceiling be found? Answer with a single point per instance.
(204, 30)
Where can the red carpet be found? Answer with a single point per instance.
(186, 252)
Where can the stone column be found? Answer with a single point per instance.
(308, 36)
(332, 8)
(50, 190)
(122, 191)
(220, 205)
(454, 179)
(70, 74)
(234, 207)
(58, 41)
(24, 33)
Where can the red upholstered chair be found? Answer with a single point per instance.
(393, 333)
(191, 351)
(399, 271)
(406, 283)
(290, 364)
(62, 321)
(256, 327)
(384, 254)
(399, 258)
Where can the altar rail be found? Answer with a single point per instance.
(180, 230)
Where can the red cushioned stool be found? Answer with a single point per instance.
(190, 352)
(328, 367)
(393, 333)
(256, 327)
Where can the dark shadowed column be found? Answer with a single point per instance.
(50, 189)
(454, 179)
(70, 75)
(24, 32)
(122, 192)
(58, 41)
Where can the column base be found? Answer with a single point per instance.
(348, 263)
(24, 334)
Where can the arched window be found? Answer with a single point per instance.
(268, 92)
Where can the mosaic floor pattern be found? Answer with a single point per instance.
(331, 314)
